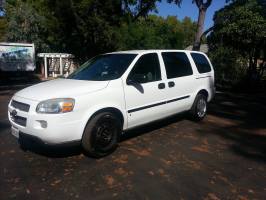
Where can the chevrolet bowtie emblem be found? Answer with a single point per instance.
(14, 113)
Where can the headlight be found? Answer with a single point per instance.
(53, 106)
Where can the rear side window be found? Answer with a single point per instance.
(201, 62)
(176, 64)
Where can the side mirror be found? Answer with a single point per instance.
(130, 82)
(136, 79)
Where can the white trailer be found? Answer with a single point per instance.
(17, 57)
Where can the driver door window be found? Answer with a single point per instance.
(147, 69)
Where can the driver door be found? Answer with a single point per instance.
(145, 91)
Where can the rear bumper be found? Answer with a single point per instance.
(212, 94)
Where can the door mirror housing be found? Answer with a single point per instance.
(136, 79)
(130, 82)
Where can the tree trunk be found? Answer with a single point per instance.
(200, 27)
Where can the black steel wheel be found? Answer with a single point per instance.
(101, 134)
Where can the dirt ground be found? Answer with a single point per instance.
(222, 157)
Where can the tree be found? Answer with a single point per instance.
(82, 27)
(3, 27)
(155, 32)
(202, 5)
(240, 27)
(2, 2)
(86, 28)
(141, 8)
(24, 24)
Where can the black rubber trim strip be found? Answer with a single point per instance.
(20, 106)
(177, 99)
(145, 107)
(204, 77)
(157, 104)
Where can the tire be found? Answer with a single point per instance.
(199, 108)
(101, 135)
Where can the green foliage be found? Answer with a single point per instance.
(157, 33)
(229, 65)
(86, 28)
(3, 27)
(241, 26)
(238, 40)
(82, 27)
(24, 24)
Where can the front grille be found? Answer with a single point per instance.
(20, 106)
(22, 121)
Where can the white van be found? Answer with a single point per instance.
(112, 93)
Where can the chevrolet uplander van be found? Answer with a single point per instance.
(112, 93)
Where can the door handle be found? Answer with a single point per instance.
(161, 86)
(171, 84)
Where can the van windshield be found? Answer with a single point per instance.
(103, 67)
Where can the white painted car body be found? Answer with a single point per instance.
(136, 107)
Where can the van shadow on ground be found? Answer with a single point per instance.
(61, 151)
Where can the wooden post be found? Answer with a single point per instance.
(61, 65)
(45, 67)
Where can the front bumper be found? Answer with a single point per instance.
(61, 128)
(25, 139)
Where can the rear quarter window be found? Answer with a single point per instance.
(201, 63)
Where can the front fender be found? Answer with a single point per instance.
(92, 110)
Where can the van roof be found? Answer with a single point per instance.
(155, 50)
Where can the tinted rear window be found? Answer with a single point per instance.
(176, 64)
(201, 62)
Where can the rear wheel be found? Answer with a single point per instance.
(199, 108)
(101, 134)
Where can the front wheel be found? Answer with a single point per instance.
(101, 134)
(199, 108)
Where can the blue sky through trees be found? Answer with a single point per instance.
(190, 10)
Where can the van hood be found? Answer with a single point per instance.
(61, 88)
